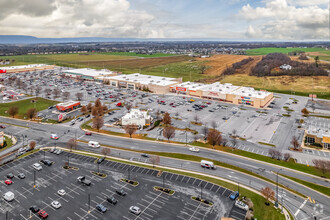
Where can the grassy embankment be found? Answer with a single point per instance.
(24, 105)
(267, 50)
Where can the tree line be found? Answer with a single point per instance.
(231, 70)
(270, 66)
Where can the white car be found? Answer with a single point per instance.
(37, 166)
(194, 149)
(241, 205)
(54, 136)
(134, 209)
(56, 204)
(61, 192)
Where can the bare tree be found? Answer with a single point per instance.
(130, 129)
(98, 123)
(169, 132)
(268, 193)
(83, 109)
(79, 96)
(287, 156)
(154, 159)
(234, 133)
(224, 142)
(95, 111)
(278, 155)
(322, 165)
(12, 111)
(32, 145)
(295, 143)
(31, 113)
(72, 144)
(37, 90)
(66, 95)
(97, 103)
(272, 153)
(105, 151)
(214, 137)
(304, 111)
(56, 93)
(177, 114)
(100, 110)
(89, 107)
(167, 119)
(233, 142)
(214, 124)
(205, 131)
(47, 91)
(128, 106)
(157, 114)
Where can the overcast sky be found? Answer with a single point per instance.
(221, 19)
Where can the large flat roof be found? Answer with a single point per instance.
(89, 72)
(144, 79)
(250, 92)
(23, 66)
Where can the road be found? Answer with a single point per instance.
(303, 210)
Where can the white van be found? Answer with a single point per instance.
(207, 164)
(9, 196)
(241, 205)
(93, 144)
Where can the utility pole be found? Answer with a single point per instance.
(276, 202)
(34, 179)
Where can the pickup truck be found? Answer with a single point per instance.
(83, 180)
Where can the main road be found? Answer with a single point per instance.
(301, 208)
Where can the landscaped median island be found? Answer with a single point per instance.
(259, 207)
(132, 182)
(164, 190)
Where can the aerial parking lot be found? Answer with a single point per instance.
(55, 191)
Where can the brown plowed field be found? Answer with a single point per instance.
(218, 63)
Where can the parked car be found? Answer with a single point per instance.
(8, 182)
(101, 208)
(134, 209)
(59, 151)
(194, 149)
(112, 200)
(21, 176)
(145, 155)
(88, 133)
(56, 204)
(234, 195)
(121, 192)
(241, 205)
(10, 175)
(47, 162)
(2, 126)
(54, 136)
(61, 192)
(43, 214)
(34, 209)
(100, 160)
(37, 166)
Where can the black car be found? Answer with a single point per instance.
(21, 176)
(112, 200)
(144, 155)
(34, 209)
(100, 160)
(87, 116)
(121, 192)
(10, 175)
(47, 162)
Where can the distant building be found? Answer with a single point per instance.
(317, 136)
(88, 74)
(286, 67)
(136, 117)
(25, 68)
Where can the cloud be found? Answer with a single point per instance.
(280, 20)
(76, 18)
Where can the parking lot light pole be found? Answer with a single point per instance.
(89, 203)
(163, 181)
(129, 172)
(68, 160)
(276, 203)
(238, 187)
(44, 155)
(34, 179)
(201, 190)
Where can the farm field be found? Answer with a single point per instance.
(267, 50)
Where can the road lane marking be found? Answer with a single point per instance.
(302, 205)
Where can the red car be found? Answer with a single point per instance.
(43, 214)
(2, 126)
(8, 182)
(88, 133)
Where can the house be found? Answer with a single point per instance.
(285, 67)
(136, 117)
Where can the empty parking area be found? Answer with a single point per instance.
(40, 188)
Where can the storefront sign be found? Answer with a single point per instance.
(182, 89)
(213, 94)
(122, 84)
(242, 97)
(60, 117)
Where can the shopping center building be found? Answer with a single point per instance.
(225, 92)
(88, 74)
(25, 68)
(317, 137)
(137, 81)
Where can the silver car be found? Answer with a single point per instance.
(134, 209)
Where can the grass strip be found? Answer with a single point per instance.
(268, 144)
(322, 189)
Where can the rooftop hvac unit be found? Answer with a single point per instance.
(243, 91)
(259, 93)
(136, 75)
(151, 80)
(163, 78)
(158, 82)
(149, 77)
(250, 95)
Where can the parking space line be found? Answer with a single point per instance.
(143, 211)
(47, 205)
(224, 191)
(20, 194)
(79, 215)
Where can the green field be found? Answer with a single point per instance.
(267, 50)
(139, 55)
(24, 105)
